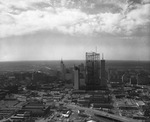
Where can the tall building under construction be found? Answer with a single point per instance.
(95, 72)
(92, 71)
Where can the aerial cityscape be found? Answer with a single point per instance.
(74, 61)
(94, 90)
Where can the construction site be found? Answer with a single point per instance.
(95, 72)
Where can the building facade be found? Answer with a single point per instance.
(76, 78)
(92, 71)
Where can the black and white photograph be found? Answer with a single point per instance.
(74, 60)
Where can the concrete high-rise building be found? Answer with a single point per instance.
(69, 74)
(103, 74)
(79, 77)
(92, 71)
(76, 78)
(63, 70)
(82, 76)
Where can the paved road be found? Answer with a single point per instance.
(93, 111)
(90, 114)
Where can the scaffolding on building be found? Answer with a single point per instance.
(92, 71)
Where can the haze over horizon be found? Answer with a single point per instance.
(67, 29)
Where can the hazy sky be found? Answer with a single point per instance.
(55, 29)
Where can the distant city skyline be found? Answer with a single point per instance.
(67, 29)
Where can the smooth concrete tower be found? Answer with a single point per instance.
(63, 70)
(103, 75)
(76, 78)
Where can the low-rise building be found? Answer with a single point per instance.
(36, 108)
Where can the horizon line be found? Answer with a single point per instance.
(70, 60)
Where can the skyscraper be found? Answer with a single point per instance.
(63, 70)
(103, 75)
(92, 71)
(76, 78)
